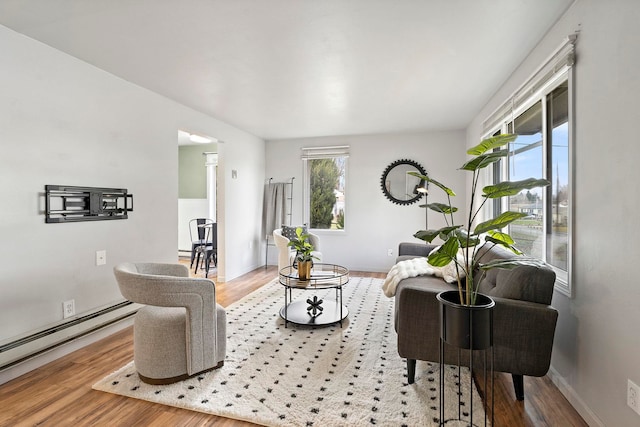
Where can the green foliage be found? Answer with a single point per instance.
(511, 188)
(442, 208)
(324, 175)
(459, 236)
(484, 160)
(340, 220)
(302, 246)
(501, 221)
(491, 144)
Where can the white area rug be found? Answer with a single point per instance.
(303, 376)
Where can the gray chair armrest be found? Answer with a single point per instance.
(175, 270)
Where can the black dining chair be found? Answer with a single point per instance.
(209, 249)
(198, 235)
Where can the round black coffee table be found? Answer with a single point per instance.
(314, 311)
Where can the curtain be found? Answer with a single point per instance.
(275, 206)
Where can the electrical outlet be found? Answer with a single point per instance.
(101, 257)
(633, 396)
(389, 252)
(68, 308)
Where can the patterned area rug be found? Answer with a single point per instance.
(304, 376)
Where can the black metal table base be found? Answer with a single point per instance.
(314, 312)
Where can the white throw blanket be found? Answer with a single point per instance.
(416, 267)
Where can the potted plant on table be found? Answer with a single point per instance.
(463, 244)
(304, 257)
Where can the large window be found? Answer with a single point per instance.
(325, 171)
(540, 114)
(543, 233)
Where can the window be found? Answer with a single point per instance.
(325, 171)
(540, 114)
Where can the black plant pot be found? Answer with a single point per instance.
(466, 327)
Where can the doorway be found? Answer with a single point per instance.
(197, 183)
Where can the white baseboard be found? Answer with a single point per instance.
(567, 391)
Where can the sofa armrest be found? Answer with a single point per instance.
(523, 335)
(415, 249)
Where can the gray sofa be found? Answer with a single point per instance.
(524, 320)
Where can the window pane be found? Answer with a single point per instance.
(327, 195)
(526, 161)
(557, 248)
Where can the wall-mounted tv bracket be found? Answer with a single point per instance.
(64, 203)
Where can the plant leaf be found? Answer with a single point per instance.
(484, 160)
(445, 232)
(427, 235)
(511, 188)
(463, 236)
(503, 239)
(434, 182)
(445, 254)
(442, 208)
(499, 222)
(491, 143)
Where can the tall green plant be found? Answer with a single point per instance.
(457, 237)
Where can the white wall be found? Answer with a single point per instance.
(63, 121)
(373, 224)
(240, 205)
(597, 343)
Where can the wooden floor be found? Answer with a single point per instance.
(60, 394)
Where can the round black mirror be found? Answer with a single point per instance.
(400, 187)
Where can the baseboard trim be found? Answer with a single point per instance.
(33, 350)
(43, 358)
(574, 399)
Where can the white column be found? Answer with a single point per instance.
(211, 163)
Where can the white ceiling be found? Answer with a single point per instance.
(300, 68)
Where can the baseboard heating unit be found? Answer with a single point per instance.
(19, 349)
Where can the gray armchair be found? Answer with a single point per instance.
(181, 331)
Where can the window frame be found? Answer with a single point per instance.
(314, 153)
(504, 117)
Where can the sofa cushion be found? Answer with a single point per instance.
(526, 283)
